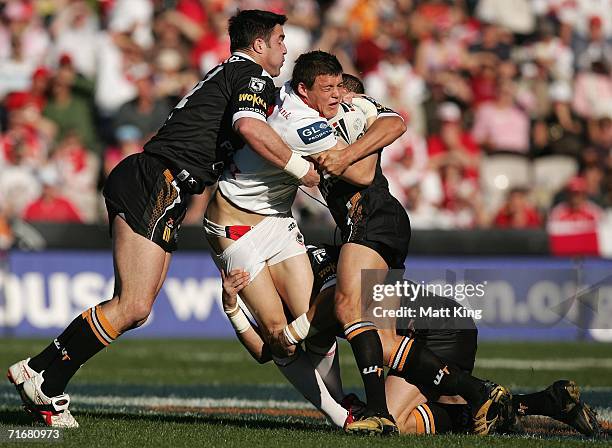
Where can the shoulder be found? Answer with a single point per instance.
(245, 68)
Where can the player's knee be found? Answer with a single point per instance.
(137, 312)
(273, 337)
(346, 311)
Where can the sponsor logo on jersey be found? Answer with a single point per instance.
(252, 98)
(314, 132)
(257, 85)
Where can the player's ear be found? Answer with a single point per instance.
(258, 45)
(301, 89)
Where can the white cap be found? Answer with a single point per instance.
(449, 112)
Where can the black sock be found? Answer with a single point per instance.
(367, 348)
(432, 418)
(420, 366)
(539, 403)
(41, 361)
(461, 417)
(93, 332)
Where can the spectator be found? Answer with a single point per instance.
(146, 111)
(423, 214)
(562, 132)
(130, 142)
(453, 144)
(395, 84)
(69, 110)
(595, 48)
(51, 206)
(572, 224)
(78, 170)
(404, 163)
(28, 134)
(500, 126)
(461, 205)
(593, 91)
(517, 212)
(75, 29)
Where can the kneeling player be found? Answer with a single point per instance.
(420, 408)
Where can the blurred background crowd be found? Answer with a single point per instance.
(508, 103)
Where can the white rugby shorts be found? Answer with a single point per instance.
(275, 239)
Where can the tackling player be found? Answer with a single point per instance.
(375, 234)
(415, 411)
(147, 196)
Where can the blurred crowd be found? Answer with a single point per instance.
(508, 103)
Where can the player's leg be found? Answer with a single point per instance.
(266, 305)
(141, 266)
(144, 192)
(361, 333)
(293, 279)
(561, 401)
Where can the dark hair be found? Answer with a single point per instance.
(352, 84)
(251, 24)
(310, 65)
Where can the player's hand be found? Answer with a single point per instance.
(334, 162)
(311, 179)
(279, 344)
(233, 283)
(348, 97)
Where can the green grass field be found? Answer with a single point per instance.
(210, 393)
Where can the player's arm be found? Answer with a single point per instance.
(268, 144)
(386, 127)
(320, 318)
(314, 138)
(251, 97)
(247, 334)
(360, 173)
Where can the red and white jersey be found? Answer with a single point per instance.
(254, 184)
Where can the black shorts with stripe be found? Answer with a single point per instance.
(378, 221)
(144, 192)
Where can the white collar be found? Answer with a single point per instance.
(246, 56)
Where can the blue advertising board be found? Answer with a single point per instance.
(534, 298)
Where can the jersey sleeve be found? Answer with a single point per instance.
(252, 93)
(372, 108)
(310, 136)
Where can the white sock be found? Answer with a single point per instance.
(326, 360)
(302, 375)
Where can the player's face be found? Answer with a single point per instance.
(274, 51)
(325, 95)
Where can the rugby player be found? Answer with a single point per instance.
(249, 225)
(418, 409)
(375, 233)
(147, 195)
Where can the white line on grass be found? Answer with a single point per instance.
(202, 402)
(544, 364)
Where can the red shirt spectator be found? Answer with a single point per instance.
(51, 206)
(572, 225)
(51, 209)
(453, 144)
(517, 213)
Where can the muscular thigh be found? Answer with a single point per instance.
(293, 280)
(353, 259)
(264, 302)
